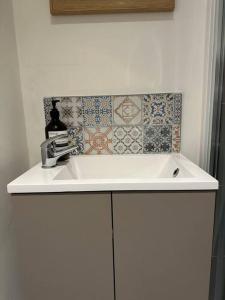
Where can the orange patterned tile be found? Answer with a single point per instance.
(98, 140)
(176, 138)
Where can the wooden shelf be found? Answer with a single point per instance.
(79, 7)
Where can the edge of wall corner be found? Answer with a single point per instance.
(213, 47)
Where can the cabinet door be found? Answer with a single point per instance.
(64, 246)
(163, 245)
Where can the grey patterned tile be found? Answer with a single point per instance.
(177, 109)
(69, 108)
(162, 109)
(47, 109)
(97, 111)
(157, 138)
(127, 110)
(71, 111)
(127, 140)
(76, 138)
(98, 140)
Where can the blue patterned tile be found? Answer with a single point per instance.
(97, 111)
(127, 140)
(157, 138)
(162, 109)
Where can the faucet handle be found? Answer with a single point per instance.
(52, 140)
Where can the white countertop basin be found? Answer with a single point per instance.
(115, 172)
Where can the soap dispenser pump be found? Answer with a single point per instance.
(56, 127)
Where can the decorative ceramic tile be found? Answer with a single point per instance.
(177, 109)
(162, 109)
(71, 111)
(127, 139)
(76, 138)
(157, 138)
(98, 140)
(97, 111)
(69, 108)
(47, 109)
(176, 138)
(127, 110)
(123, 124)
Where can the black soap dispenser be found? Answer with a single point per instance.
(57, 127)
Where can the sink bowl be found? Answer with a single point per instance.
(122, 167)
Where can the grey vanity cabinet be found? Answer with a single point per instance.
(120, 245)
(64, 246)
(162, 245)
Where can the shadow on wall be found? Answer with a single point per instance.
(112, 18)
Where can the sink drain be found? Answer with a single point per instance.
(176, 172)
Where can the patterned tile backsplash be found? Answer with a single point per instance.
(132, 124)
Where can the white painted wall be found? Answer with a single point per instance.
(13, 148)
(103, 54)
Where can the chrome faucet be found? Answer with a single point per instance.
(50, 154)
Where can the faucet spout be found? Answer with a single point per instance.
(49, 153)
(69, 149)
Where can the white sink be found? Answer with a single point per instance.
(115, 172)
(122, 167)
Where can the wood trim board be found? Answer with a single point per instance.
(79, 7)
